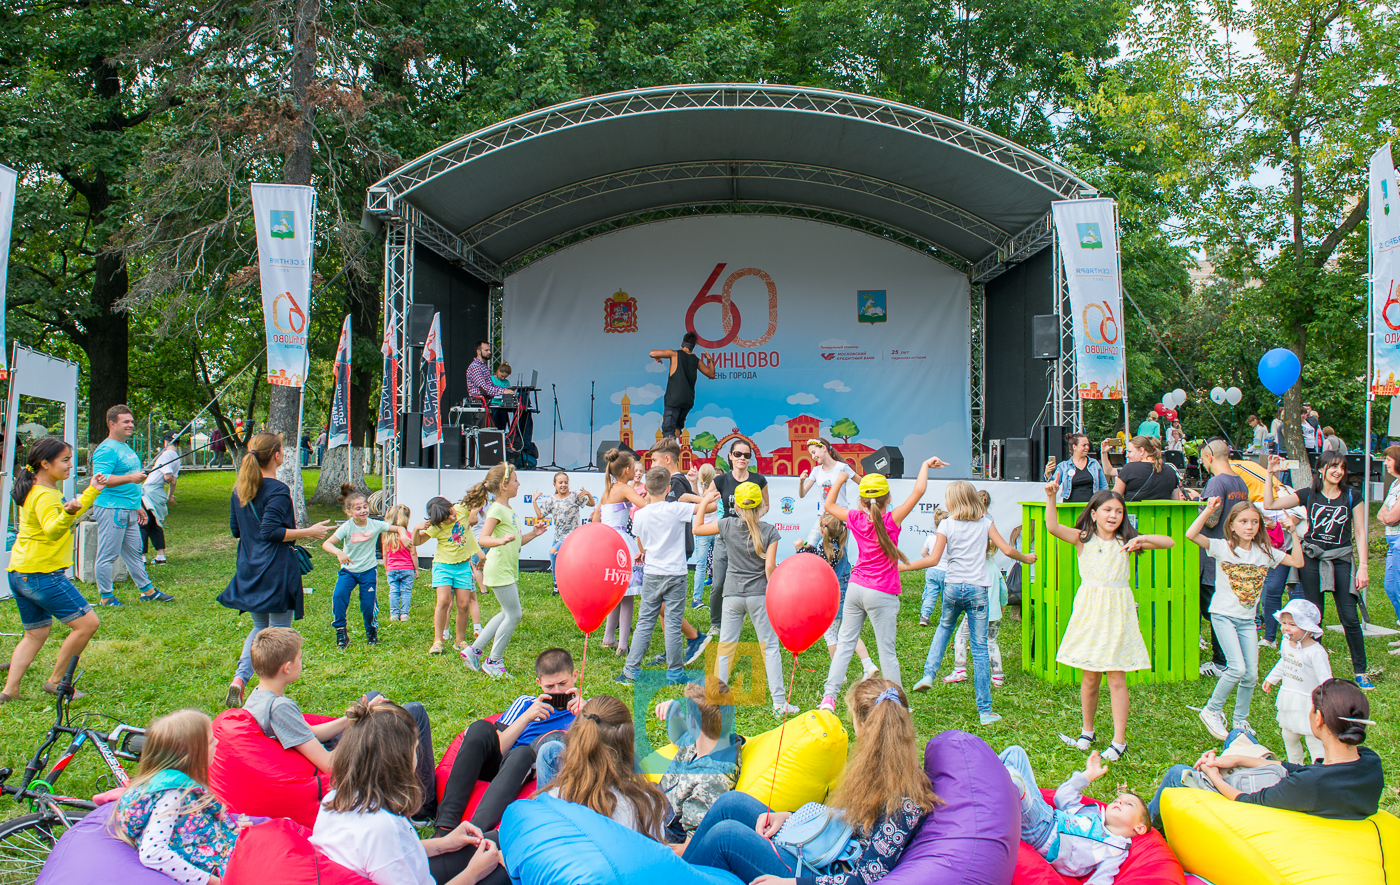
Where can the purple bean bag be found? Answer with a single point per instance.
(87, 854)
(971, 840)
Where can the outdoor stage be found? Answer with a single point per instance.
(792, 516)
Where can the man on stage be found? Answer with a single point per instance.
(480, 387)
(680, 385)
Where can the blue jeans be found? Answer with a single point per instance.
(340, 598)
(1392, 573)
(1237, 640)
(261, 621)
(726, 840)
(1173, 779)
(957, 599)
(547, 760)
(1274, 585)
(704, 548)
(43, 596)
(1037, 816)
(933, 589)
(400, 591)
(553, 560)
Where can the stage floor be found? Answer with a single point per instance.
(793, 516)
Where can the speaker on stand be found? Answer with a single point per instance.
(887, 460)
(1045, 337)
(1018, 460)
(411, 443)
(420, 320)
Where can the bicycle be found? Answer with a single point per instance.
(26, 840)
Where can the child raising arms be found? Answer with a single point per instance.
(358, 565)
(1242, 559)
(1103, 635)
(452, 568)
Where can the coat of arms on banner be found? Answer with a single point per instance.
(1089, 236)
(620, 313)
(282, 224)
(870, 306)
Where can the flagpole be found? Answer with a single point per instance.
(1364, 541)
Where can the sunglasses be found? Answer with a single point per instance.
(741, 454)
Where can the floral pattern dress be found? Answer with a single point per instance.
(1103, 632)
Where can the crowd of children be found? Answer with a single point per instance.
(583, 750)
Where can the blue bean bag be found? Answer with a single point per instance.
(972, 839)
(547, 841)
(87, 853)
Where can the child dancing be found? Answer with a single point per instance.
(452, 568)
(400, 563)
(358, 565)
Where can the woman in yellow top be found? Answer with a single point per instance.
(43, 550)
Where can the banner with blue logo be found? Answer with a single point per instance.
(9, 180)
(1088, 234)
(1385, 299)
(282, 215)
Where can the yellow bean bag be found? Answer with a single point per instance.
(813, 755)
(1237, 843)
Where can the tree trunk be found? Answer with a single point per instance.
(104, 340)
(284, 405)
(365, 307)
(334, 473)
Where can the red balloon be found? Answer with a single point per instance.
(594, 568)
(802, 598)
(1171, 414)
(1160, 409)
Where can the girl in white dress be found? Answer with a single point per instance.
(615, 510)
(1103, 636)
(1302, 666)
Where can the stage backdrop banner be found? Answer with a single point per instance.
(282, 215)
(339, 430)
(9, 181)
(1088, 234)
(815, 330)
(1385, 268)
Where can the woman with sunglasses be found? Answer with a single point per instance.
(740, 457)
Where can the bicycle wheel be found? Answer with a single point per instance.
(25, 843)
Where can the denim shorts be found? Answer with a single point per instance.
(43, 596)
(457, 575)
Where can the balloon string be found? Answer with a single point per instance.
(782, 730)
(583, 670)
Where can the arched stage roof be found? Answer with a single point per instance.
(505, 195)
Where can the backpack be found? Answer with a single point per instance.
(821, 839)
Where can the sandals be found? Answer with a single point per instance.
(1114, 752)
(1084, 743)
(436, 649)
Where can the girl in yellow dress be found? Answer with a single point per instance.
(1103, 636)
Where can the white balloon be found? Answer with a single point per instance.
(1217, 395)
(1172, 399)
(1233, 396)
(1180, 396)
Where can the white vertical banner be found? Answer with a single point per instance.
(9, 181)
(1088, 234)
(282, 214)
(1385, 267)
(433, 375)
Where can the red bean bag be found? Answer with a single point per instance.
(253, 775)
(1150, 862)
(279, 852)
(444, 770)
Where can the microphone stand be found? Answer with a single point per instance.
(592, 385)
(556, 428)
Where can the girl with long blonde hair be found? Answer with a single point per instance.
(267, 580)
(168, 813)
(599, 769)
(752, 547)
(501, 537)
(874, 588)
(615, 510)
(884, 792)
(400, 563)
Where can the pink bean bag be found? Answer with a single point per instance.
(444, 770)
(279, 852)
(971, 840)
(253, 775)
(1150, 862)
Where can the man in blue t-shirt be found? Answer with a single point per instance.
(503, 752)
(118, 512)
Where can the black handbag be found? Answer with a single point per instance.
(300, 553)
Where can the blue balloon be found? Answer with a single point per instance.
(1279, 369)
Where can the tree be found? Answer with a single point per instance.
(845, 428)
(1268, 148)
(704, 442)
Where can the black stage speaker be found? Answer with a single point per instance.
(450, 449)
(1018, 461)
(488, 448)
(411, 442)
(887, 460)
(420, 320)
(1045, 337)
(601, 458)
(1052, 443)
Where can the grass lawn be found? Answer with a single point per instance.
(151, 659)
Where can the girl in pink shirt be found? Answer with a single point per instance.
(874, 586)
(400, 564)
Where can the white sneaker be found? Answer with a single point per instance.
(869, 668)
(956, 676)
(1264, 643)
(1209, 669)
(780, 710)
(1215, 724)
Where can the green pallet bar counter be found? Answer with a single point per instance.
(1166, 584)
